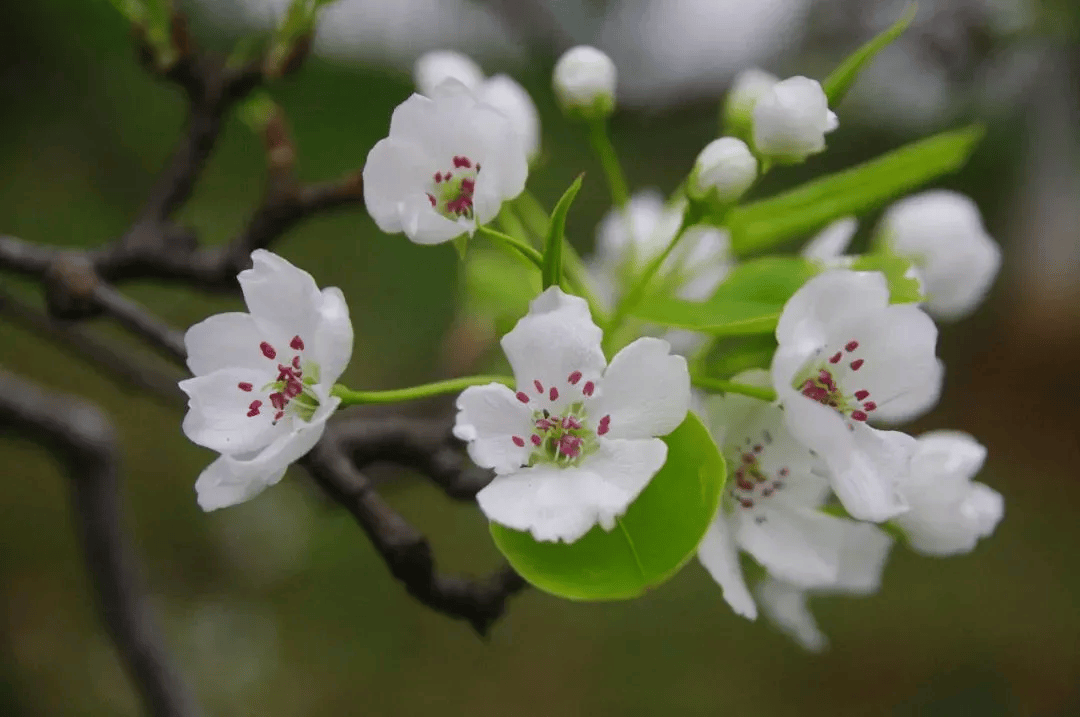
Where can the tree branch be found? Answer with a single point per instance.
(84, 439)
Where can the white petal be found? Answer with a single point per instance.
(423, 225)
(645, 390)
(556, 338)
(279, 294)
(229, 340)
(800, 546)
(269, 464)
(863, 554)
(943, 465)
(785, 606)
(829, 298)
(433, 68)
(394, 170)
(506, 95)
(333, 344)
(217, 487)
(832, 241)
(488, 418)
(565, 503)
(634, 233)
(791, 119)
(983, 509)
(217, 411)
(720, 557)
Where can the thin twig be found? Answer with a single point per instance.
(83, 437)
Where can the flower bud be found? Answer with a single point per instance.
(585, 82)
(746, 90)
(725, 169)
(433, 68)
(791, 120)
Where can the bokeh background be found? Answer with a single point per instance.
(281, 607)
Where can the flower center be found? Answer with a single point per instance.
(752, 484)
(290, 393)
(822, 381)
(451, 192)
(561, 437)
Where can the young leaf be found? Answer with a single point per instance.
(800, 211)
(843, 77)
(553, 250)
(658, 534)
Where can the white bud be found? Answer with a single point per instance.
(942, 233)
(434, 68)
(505, 94)
(726, 168)
(746, 90)
(791, 120)
(585, 81)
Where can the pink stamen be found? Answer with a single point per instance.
(244, 386)
(859, 415)
(588, 388)
(857, 364)
(438, 177)
(861, 394)
(553, 394)
(544, 424)
(835, 358)
(536, 440)
(468, 185)
(603, 428)
(253, 409)
(851, 346)
(462, 162)
(869, 405)
(521, 396)
(278, 400)
(519, 441)
(539, 386)
(431, 198)
(268, 350)
(574, 378)
(279, 415)
(296, 364)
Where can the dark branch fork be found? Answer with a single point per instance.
(80, 284)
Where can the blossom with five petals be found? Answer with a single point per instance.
(261, 392)
(577, 442)
(448, 165)
(846, 356)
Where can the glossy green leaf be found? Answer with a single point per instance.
(903, 287)
(735, 355)
(748, 302)
(499, 285)
(658, 534)
(556, 236)
(843, 77)
(809, 207)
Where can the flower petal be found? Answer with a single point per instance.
(505, 94)
(217, 487)
(280, 295)
(785, 606)
(333, 336)
(229, 340)
(423, 225)
(829, 298)
(217, 411)
(394, 170)
(717, 552)
(488, 418)
(556, 338)
(800, 546)
(832, 241)
(645, 390)
(863, 554)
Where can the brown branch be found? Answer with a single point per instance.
(84, 440)
(141, 322)
(406, 551)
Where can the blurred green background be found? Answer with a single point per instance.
(281, 607)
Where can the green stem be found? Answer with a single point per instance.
(718, 385)
(510, 242)
(454, 385)
(609, 160)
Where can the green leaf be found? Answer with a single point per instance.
(748, 302)
(499, 286)
(903, 287)
(800, 211)
(843, 77)
(734, 355)
(556, 236)
(658, 534)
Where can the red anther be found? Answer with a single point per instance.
(869, 405)
(835, 358)
(468, 186)
(859, 415)
(746, 503)
(544, 424)
(519, 441)
(278, 400)
(603, 428)
(431, 198)
(758, 449)
(784, 472)
(279, 415)
(574, 378)
(268, 350)
(851, 345)
(605, 419)
(553, 394)
(244, 386)
(521, 396)
(297, 344)
(539, 386)
(536, 440)
(293, 389)
(438, 177)
(253, 409)
(744, 484)
(477, 166)
(570, 423)
(857, 364)
(462, 162)
(296, 364)
(826, 378)
(448, 175)
(861, 394)
(588, 388)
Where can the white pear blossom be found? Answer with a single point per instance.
(746, 89)
(771, 507)
(261, 392)
(791, 120)
(629, 239)
(942, 233)
(448, 165)
(576, 443)
(948, 511)
(846, 355)
(725, 169)
(584, 81)
(500, 91)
